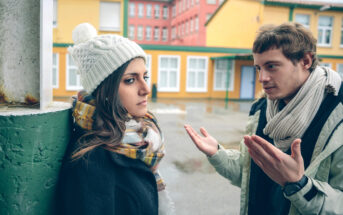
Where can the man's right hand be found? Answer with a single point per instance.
(206, 143)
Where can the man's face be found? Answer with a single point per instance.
(280, 78)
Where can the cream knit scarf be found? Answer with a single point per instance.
(292, 121)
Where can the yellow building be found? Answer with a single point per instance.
(222, 69)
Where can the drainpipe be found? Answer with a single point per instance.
(290, 15)
(34, 131)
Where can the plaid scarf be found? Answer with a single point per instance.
(142, 139)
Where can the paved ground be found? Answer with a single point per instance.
(192, 182)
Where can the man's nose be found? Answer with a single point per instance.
(263, 76)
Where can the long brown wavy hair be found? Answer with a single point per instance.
(110, 116)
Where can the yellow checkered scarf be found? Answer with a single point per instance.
(142, 139)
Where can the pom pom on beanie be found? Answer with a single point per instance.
(98, 56)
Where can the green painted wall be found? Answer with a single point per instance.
(31, 150)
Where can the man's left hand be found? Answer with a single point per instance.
(279, 166)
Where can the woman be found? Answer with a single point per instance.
(111, 164)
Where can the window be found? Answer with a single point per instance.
(110, 16)
(55, 71)
(303, 19)
(168, 73)
(148, 10)
(173, 36)
(340, 69)
(325, 30)
(148, 67)
(54, 23)
(165, 12)
(148, 33)
(183, 5)
(324, 64)
(157, 11)
(187, 27)
(342, 33)
(157, 34)
(73, 79)
(211, 1)
(208, 16)
(140, 32)
(140, 10)
(191, 25)
(132, 9)
(222, 68)
(164, 34)
(179, 6)
(196, 74)
(132, 32)
(196, 23)
(174, 10)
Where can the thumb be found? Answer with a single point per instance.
(296, 151)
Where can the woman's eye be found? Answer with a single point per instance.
(129, 80)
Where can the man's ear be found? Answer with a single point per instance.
(307, 61)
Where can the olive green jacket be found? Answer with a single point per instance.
(325, 171)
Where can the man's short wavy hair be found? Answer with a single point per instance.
(294, 40)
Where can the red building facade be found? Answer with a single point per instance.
(170, 22)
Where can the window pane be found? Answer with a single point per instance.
(201, 80)
(327, 37)
(191, 79)
(72, 77)
(201, 64)
(163, 79)
(110, 16)
(173, 63)
(172, 80)
(325, 21)
(54, 76)
(302, 19)
(218, 81)
(164, 62)
(192, 63)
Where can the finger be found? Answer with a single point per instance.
(255, 158)
(268, 147)
(204, 132)
(193, 135)
(296, 150)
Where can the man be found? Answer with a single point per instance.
(291, 160)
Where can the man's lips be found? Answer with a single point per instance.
(268, 89)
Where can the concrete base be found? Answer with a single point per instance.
(32, 145)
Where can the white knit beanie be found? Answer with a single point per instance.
(97, 56)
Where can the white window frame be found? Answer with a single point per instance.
(231, 78)
(205, 71)
(325, 29)
(148, 11)
(165, 34)
(157, 11)
(303, 15)
(169, 89)
(196, 24)
(211, 2)
(140, 32)
(165, 12)
(131, 32)
(148, 32)
(156, 33)
(131, 9)
(107, 14)
(78, 78)
(340, 69)
(56, 67)
(140, 12)
(54, 16)
(148, 68)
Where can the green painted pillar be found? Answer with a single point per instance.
(32, 145)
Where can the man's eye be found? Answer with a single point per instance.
(129, 80)
(271, 66)
(146, 78)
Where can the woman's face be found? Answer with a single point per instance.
(133, 88)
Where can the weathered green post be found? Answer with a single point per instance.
(34, 131)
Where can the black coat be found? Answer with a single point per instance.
(103, 182)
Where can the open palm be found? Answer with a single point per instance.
(206, 143)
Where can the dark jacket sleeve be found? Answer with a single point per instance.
(83, 190)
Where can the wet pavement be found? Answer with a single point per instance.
(192, 182)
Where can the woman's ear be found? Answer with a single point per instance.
(307, 61)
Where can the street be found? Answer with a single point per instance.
(191, 181)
